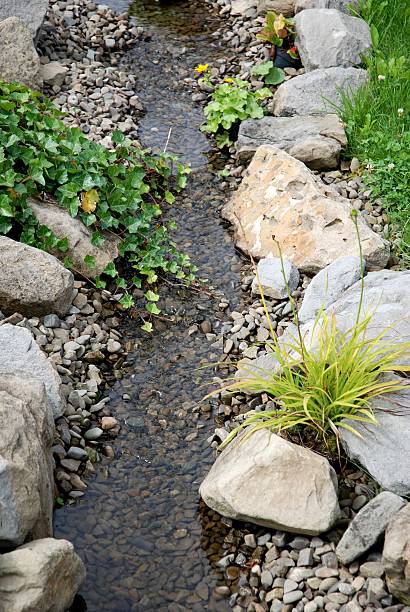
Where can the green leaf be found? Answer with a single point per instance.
(111, 270)
(151, 296)
(127, 301)
(275, 76)
(169, 197)
(147, 327)
(90, 261)
(153, 308)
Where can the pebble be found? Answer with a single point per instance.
(93, 434)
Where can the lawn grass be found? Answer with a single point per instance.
(378, 117)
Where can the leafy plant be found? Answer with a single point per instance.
(120, 190)
(270, 73)
(278, 31)
(232, 102)
(316, 387)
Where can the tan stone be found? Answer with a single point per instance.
(286, 7)
(280, 197)
(396, 555)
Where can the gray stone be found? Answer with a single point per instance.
(258, 479)
(75, 452)
(340, 5)
(31, 12)
(41, 576)
(243, 7)
(32, 282)
(79, 238)
(19, 60)
(26, 469)
(314, 140)
(19, 352)
(276, 279)
(396, 555)
(93, 434)
(328, 285)
(367, 526)
(316, 92)
(326, 38)
(371, 569)
(53, 74)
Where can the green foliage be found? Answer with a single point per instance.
(120, 191)
(270, 73)
(377, 117)
(276, 30)
(231, 102)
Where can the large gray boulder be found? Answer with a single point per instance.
(368, 526)
(340, 5)
(26, 469)
(42, 576)
(276, 278)
(396, 555)
(19, 352)
(329, 285)
(316, 141)
(79, 238)
(19, 60)
(31, 12)
(33, 282)
(327, 37)
(317, 92)
(259, 479)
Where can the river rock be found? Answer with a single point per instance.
(276, 280)
(259, 479)
(32, 282)
(41, 576)
(367, 526)
(327, 37)
(19, 60)
(311, 222)
(396, 555)
(286, 7)
(328, 285)
(31, 12)
(26, 469)
(20, 352)
(314, 140)
(316, 92)
(340, 5)
(79, 238)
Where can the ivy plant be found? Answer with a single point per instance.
(232, 102)
(121, 190)
(271, 75)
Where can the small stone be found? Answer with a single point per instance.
(326, 572)
(71, 465)
(93, 434)
(250, 540)
(290, 585)
(292, 597)
(75, 452)
(359, 502)
(113, 346)
(372, 569)
(51, 321)
(305, 557)
(108, 423)
(266, 579)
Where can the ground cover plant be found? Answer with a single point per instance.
(319, 383)
(377, 117)
(122, 190)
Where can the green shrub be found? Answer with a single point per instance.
(232, 102)
(119, 190)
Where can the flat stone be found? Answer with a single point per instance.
(328, 38)
(93, 434)
(26, 465)
(276, 277)
(315, 140)
(75, 452)
(372, 569)
(258, 479)
(316, 92)
(31, 12)
(42, 575)
(310, 221)
(286, 7)
(367, 526)
(19, 352)
(243, 7)
(53, 74)
(396, 555)
(292, 597)
(19, 60)
(32, 282)
(328, 285)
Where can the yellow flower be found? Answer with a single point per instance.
(201, 68)
(228, 80)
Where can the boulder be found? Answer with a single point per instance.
(311, 222)
(314, 140)
(26, 468)
(340, 5)
(286, 7)
(396, 555)
(328, 285)
(327, 37)
(41, 576)
(53, 74)
(259, 479)
(20, 352)
(368, 526)
(33, 282)
(31, 12)
(79, 238)
(317, 92)
(276, 280)
(19, 60)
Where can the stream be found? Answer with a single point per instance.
(146, 539)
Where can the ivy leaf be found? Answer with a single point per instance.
(151, 296)
(153, 308)
(110, 270)
(90, 261)
(127, 301)
(169, 197)
(147, 327)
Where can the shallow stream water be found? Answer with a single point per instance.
(147, 541)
